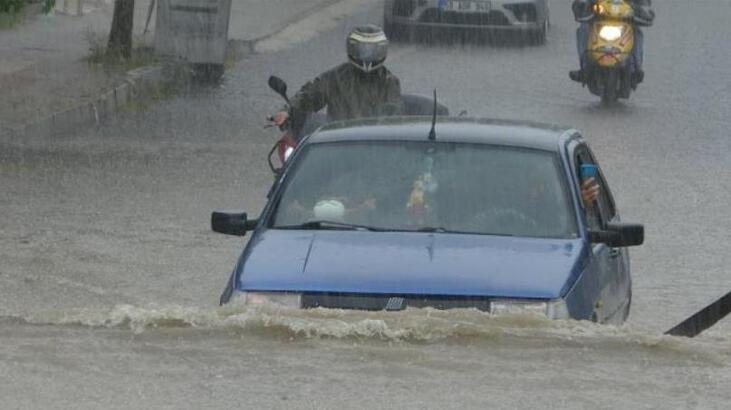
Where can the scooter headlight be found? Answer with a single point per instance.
(610, 33)
(288, 153)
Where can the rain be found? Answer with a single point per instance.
(113, 160)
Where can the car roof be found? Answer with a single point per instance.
(466, 130)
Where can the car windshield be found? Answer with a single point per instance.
(426, 186)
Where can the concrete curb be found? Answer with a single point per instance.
(240, 48)
(249, 46)
(95, 112)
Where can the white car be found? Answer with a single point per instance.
(401, 18)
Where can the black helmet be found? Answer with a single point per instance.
(367, 46)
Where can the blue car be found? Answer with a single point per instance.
(380, 215)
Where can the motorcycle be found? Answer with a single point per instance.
(285, 146)
(610, 68)
(412, 104)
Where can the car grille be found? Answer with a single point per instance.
(525, 12)
(404, 8)
(493, 18)
(391, 302)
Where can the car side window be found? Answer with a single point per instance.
(593, 218)
(605, 210)
(606, 203)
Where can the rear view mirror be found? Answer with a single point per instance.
(619, 235)
(279, 86)
(231, 223)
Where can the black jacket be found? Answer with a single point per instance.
(348, 92)
(644, 15)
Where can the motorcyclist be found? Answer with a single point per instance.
(362, 87)
(583, 13)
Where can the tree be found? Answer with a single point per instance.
(120, 36)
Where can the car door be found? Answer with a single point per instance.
(611, 263)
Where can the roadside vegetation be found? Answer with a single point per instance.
(14, 12)
(101, 56)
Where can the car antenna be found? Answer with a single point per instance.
(433, 132)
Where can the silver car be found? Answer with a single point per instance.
(529, 18)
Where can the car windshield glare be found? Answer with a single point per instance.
(426, 186)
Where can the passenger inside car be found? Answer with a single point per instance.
(372, 184)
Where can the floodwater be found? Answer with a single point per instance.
(110, 276)
(177, 356)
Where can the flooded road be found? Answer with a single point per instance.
(180, 356)
(110, 275)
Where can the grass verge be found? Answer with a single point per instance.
(99, 57)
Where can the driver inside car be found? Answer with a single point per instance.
(533, 207)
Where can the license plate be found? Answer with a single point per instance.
(466, 6)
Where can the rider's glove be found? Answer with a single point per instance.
(280, 118)
(582, 10)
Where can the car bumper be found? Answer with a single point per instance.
(550, 308)
(503, 16)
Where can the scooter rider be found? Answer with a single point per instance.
(362, 87)
(583, 13)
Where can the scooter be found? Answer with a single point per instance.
(285, 146)
(412, 104)
(610, 61)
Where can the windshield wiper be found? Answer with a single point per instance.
(439, 229)
(331, 225)
(334, 225)
(432, 229)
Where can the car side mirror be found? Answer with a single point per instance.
(231, 223)
(619, 235)
(279, 86)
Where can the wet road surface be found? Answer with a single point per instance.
(110, 276)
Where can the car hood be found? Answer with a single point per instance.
(409, 263)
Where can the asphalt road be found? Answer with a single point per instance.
(109, 274)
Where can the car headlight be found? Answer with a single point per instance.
(610, 33)
(275, 299)
(552, 309)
